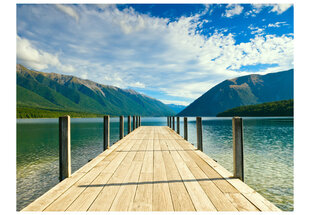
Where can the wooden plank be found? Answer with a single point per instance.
(105, 198)
(126, 193)
(218, 199)
(128, 188)
(43, 201)
(107, 155)
(161, 200)
(85, 199)
(141, 151)
(197, 194)
(143, 198)
(180, 197)
(260, 202)
(238, 185)
(218, 180)
(152, 169)
(240, 202)
(46, 199)
(64, 201)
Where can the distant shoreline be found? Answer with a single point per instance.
(283, 108)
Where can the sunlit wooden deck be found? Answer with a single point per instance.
(152, 169)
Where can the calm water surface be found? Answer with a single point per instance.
(268, 151)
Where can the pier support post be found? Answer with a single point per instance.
(178, 125)
(173, 123)
(64, 148)
(133, 122)
(129, 124)
(168, 121)
(185, 129)
(137, 119)
(199, 133)
(106, 132)
(121, 127)
(237, 127)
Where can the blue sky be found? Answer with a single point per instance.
(172, 52)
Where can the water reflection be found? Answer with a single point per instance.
(268, 149)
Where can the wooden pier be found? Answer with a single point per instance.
(152, 169)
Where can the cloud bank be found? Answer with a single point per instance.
(171, 60)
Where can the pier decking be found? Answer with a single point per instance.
(152, 169)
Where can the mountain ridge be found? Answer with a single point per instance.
(176, 108)
(70, 93)
(244, 90)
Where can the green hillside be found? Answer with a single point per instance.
(50, 93)
(245, 90)
(278, 108)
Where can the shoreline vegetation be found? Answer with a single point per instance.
(29, 112)
(278, 108)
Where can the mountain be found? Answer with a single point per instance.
(176, 108)
(245, 90)
(56, 92)
(278, 108)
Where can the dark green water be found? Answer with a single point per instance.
(268, 151)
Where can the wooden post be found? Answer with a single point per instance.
(64, 148)
(185, 128)
(137, 122)
(169, 117)
(237, 127)
(173, 123)
(178, 125)
(106, 132)
(167, 120)
(121, 127)
(133, 122)
(129, 124)
(199, 133)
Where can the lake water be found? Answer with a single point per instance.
(268, 152)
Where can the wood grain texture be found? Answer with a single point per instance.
(152, 169)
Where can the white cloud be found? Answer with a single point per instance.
(256, 30)
(176, 102)
(276, 25)
(280, 8)
(68, 10)
(232, 10)
(137, 84)
(127, 49)
(37, 59)
(84, 75)
(257, 8)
